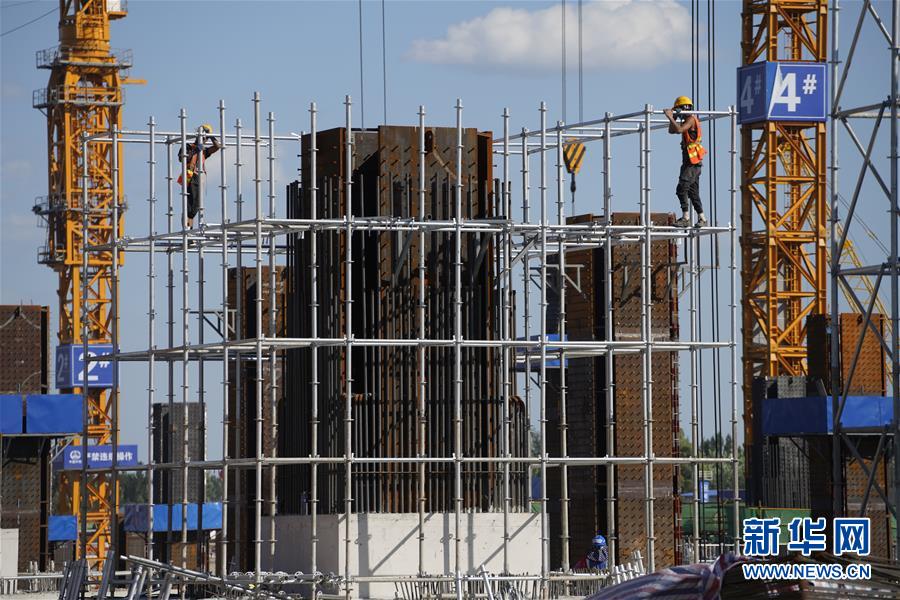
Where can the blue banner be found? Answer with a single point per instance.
(10, 414)
(62, 528)
(54, 414)
(99, 457)
(70, 366)
(782, 91)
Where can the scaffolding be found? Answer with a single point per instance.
(851, 118)
(526, 248)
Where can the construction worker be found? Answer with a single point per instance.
(193, 168)
(682, 122)
(598, 557)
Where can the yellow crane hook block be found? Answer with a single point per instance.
(573, 155)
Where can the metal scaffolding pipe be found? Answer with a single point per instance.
(561, 335)
(314, 351)
(185, 331)
(348, 356)
(609, 392)
(545, 534)
(457, 352)
(151, 326)
(258, 374)
(422, 418)
(222, 551)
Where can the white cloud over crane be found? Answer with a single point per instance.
(617, 34)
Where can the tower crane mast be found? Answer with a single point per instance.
(84, 98)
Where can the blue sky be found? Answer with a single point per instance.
(490, 54)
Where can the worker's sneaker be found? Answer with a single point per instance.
(683, 222)
(701, 222)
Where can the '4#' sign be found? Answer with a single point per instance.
(781, 91)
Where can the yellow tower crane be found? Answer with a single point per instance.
(783, 208)
(84, 98)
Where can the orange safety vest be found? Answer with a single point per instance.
(190, 174)
(693, 147)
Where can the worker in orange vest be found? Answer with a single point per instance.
(196, 164)
(682, 122)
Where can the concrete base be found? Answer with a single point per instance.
(387, 544)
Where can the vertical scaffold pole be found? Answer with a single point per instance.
(895, 275)
(457, 353)
(240, 416)
(274, 309)
(421, 416)
(314, 354)
(185, 335)
(506, 282)
(260, 334)
(348, 333)
(113, 483)
(609, 336)
(223, 191)
(732, 231)
(151, 325)
(646, 338)
(545, 534)
(85, 414)
(561, 332)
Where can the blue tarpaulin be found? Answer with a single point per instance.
(62, 528)
(53, 413)
(813, 415)
(137, 517)
(534, 354)
(10, 414)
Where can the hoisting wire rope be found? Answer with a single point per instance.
(384, 59)
(362, 95)
(563, 39)
(580, 66)
(715, 258)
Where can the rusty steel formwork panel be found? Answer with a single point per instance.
(869, 376)
(25, 473)
(585, 405)
(626, 305)
(168, 447)
(24, 349)
(586, 399)
(26, 496)
(856, 479)
(242, 400)
(385, 278)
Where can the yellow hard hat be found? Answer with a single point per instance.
(681, 101)
(206, 127)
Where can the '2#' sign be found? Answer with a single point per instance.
(782, 91)
(70, 366)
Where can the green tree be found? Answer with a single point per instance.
(720, 475)
(133, 487)
(214, 487)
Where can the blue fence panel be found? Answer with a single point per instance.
(10, 414)
(62, 528)
(53, 413)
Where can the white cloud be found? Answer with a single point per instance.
(623, 34)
